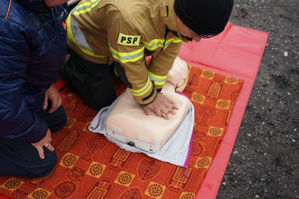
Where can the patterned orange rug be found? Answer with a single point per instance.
(90, 167)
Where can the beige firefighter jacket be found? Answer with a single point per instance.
(126, 31)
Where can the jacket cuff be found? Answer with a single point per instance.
(147, 97)
(152, 100)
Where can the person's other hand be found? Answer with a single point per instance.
(162, 106)
(45, 142)
(52, 94)
(52, 3)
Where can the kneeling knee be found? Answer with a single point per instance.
(45, 165)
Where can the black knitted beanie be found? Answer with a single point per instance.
(204, 16)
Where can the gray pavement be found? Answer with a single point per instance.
(264, 161)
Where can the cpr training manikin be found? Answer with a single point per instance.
(125, 123)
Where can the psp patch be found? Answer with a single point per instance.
(128, 40)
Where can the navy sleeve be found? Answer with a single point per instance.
(17, 122)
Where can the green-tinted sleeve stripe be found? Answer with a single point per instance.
(143, 90)
(154, 44)
(86, 7)
(127, 57)
(158, 79)
(177, 40)
(172, 40)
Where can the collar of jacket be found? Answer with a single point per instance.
(35, 5)
(168, 13)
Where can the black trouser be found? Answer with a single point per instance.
(91, 81)
(18, 158)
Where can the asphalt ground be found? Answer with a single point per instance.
(264, 161)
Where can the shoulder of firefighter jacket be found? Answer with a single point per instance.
(140, 28)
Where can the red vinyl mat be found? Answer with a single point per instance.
(221, 78)
(237, 52)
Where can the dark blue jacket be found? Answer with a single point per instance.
(32, 51)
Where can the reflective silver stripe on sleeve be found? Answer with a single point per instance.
(78, 35)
